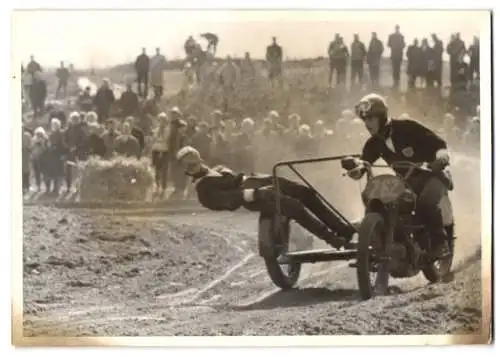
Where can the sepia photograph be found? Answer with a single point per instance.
(252, 173)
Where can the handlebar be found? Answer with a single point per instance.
(350, 164)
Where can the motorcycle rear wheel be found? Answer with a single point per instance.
(370, 230)
(438, 270)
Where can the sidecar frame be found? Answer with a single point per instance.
(307, 256)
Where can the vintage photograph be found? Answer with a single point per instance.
(252, 173)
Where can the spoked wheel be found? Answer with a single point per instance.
(272, 244)
(371, 239)
(440, 269)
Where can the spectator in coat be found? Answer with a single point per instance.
(129, 102)
(414, 56)
(56, 158)
(103, 100)
(85, 101)
(396, 43)
(137, 132)
(149, 110)
(428, 68)
(229, 77)
(375, 51)
(438, 50)
(158, 66)
(26, 157)
(62, 75)
(33, 66)
(160, 155)
(338, 54)
(474, 58)
(176, 142)
(38, 95)
(39, 153)
(202, 141)
(74, 139)
(94, 143)
(109, 136)
(126, 144)
(244, 148)
(358, 56)
(141, 66)
(274, 57)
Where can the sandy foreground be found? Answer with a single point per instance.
(155, 272)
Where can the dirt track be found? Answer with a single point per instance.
(154, 272)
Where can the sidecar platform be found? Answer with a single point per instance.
(317, 255)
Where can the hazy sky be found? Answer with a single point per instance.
(102, 38)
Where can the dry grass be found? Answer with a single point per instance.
(118, 179)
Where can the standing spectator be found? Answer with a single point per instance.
(74, 140)
(142, 71)
(427, 64)
(56, 157)
(438, 50)
(149, 110)
(129, 102)
(414, 56)
(39, 151)
(244, 152)
(33, 66)
(126, 144)
(247, 67)
(160, 156)
(176, 141)
(229, 77)
(109, 136)
(62, 75)
(202, 141)
(223, 143)
(85, 101)
(27, 81)
(158, 65)
(454, 49)
(474, 58)
(397, 44)
(338, 54)
(56, 111)
(26, 157)
(274, 57)
(94, 143)
(358, 55)
(103, 100)
(38, 94)
(213, 41)
(375, 51)
(137, 132)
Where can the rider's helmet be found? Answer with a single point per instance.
(373, 106)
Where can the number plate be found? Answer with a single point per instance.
(386, 188)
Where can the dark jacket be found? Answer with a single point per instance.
(142, 63)
(412, 142)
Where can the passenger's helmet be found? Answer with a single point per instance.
(373, 105)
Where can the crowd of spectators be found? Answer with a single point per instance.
(59, 134)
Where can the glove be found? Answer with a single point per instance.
(438, 165)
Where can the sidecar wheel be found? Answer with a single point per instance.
(284, 276)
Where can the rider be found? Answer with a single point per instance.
(221, 189)
(408, 140)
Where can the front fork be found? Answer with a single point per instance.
(390, 215)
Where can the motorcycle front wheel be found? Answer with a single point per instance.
(371, 236)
